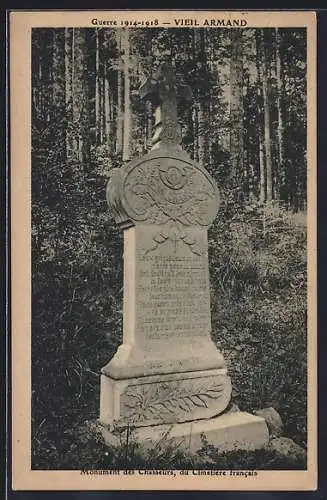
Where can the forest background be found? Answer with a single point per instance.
(246, 124)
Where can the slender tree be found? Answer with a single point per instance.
(97, 88)
(80, 95)
(69, 89)
(262, 166)
(119, 112)
(202, 97)
(106, 106)
(236, 108)
(280, 117)
(266, 111)
(127, 96)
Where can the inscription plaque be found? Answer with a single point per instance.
(174, 297)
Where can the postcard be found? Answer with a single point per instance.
(163, 255)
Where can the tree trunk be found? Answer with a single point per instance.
(41, 89)
(106, 104)
(69, 90)
(80, 95)
(211, 67)
(280, 123)
(251, 182)
(201, 102)
(262, 169)
(37, 84)
(195, 130)
(236, 108)
(266, 109)
(127, 97)
(119, 113)
(97, 89)
(102, 62)
(201, 134)
(262, 195)
(58, 85)
(149, 119)
(247, 181)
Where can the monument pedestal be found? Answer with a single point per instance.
(227, 432)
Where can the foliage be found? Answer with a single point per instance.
(258, 277)
(77, 294)
(79, 95)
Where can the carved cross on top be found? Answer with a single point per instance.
(163, 91)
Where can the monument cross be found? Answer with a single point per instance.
(163, 91)
(168, 371)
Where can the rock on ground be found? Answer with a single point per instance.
(273, 421)
(286, 447)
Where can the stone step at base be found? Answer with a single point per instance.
(227, 432)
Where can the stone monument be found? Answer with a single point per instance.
(168, 371)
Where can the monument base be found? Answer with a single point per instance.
(164, 399)
(227, 432)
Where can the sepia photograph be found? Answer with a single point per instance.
(169, 201)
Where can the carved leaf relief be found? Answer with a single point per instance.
(175, 400)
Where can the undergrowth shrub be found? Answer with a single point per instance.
(258, 281)
(77, 289)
